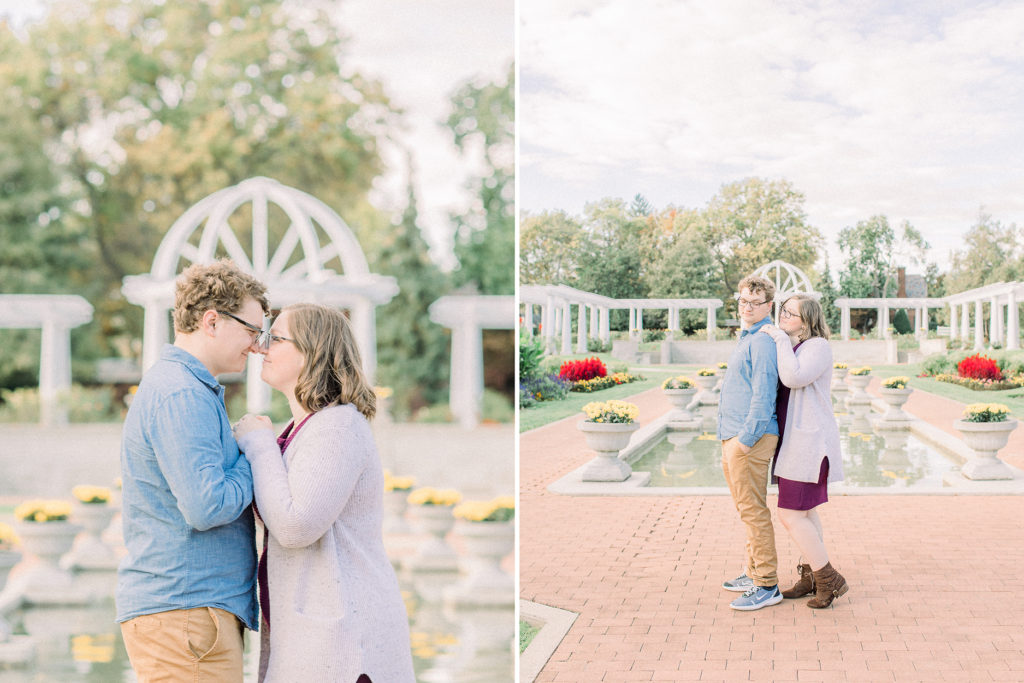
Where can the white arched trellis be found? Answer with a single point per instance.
(788, 280)
(203, 233)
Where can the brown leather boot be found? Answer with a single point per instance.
(828, 585)
(802, 587)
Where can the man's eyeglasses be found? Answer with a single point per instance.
(751, 304)
(262, 339)
(786, 315)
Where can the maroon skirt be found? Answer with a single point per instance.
(802, 495)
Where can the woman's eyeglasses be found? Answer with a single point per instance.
(786, 315)
(261, 338)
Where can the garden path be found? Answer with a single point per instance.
(934, 579)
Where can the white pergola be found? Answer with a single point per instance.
(556, 302)
(293, 269)
(1003, 299)
(883, 306)
(467, 317)
(56, 315)
(788, 280)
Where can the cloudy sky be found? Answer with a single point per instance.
(910, 109)
(422, 51)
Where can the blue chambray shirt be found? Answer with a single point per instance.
(187, 494)
(746, 406)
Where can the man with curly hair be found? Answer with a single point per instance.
(186, 588)
(749, 431)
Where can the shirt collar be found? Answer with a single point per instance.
(174, 354)
(756, 326)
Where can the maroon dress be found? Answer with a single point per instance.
(797, 495)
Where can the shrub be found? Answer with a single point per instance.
(653, 335)
(979, 367)
(531, 353)
(939, 364)
(575, 370)
(598, 346)
(901, 321)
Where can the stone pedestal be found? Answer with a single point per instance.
(434, 554)
(485, 584)
(607, 439)
(89, 550)
(985, 439)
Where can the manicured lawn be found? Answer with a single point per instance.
(526, 634)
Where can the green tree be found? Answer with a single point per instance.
(640, 206)
(827, 288)
(146, 107)
(991, 254)
(483, 116)
(549, 244)
(680, 265)
(412, 351)
(872, 251)
(754, 221)
(611, 256)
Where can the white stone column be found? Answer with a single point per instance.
(606, 324)
(155, 333)
(581, 328)
(922, 322)
(673, 323)
(465, 394)
(548, 323)
(566, 329)
(640, 323)
(883, 321)
(595, 330)
(364, 327)
(711, 324)
(632, 321)
(844, 321)
(1013, 321)
(54, 373)
(954, 329)
(965, 322)
(995, 322)
(979, 326)
(528, 319)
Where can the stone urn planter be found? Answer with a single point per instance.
(680, 400)
(860, 384)
(985, 439)
(395, 507)
(8, 558)
(485, 583)
(89, 551)
(39, 575)
(839, 380)
(707, 384)
(434, 554)
(894, 399)
(607, 439)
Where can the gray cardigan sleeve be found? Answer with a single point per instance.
(815, 359)
(300, 504)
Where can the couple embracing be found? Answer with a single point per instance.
(775, 420)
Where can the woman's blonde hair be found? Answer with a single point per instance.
(332, 370)
(812, 316)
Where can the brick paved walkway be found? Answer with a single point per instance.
(935, 580)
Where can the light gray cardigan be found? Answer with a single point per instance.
(811, 432)
(335, 606)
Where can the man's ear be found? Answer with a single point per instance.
(208, 322)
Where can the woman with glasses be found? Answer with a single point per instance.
(808, 455)
(331, 606)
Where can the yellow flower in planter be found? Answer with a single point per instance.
(612, 411)
(43, 511)
(392, 483)
(986, 412)
(706, 372)
(858, 372)
(500, 509)
(429, 496)
(898, 382)
(383, 392)
(8, 538)
(678, 382)
(839, 366)
(723, 366)
(91, 495)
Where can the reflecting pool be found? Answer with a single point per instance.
(875, 455)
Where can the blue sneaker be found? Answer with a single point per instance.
(756, 598)
(740, 584)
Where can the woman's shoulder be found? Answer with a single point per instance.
(817, 344)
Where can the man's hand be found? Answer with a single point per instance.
(251, 423)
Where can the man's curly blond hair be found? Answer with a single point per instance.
(220, 286)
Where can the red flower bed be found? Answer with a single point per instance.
(979, 367)
(576, 370)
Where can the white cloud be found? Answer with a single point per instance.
(865, 109)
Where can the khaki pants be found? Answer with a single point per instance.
(195, 645)
(747, 476)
